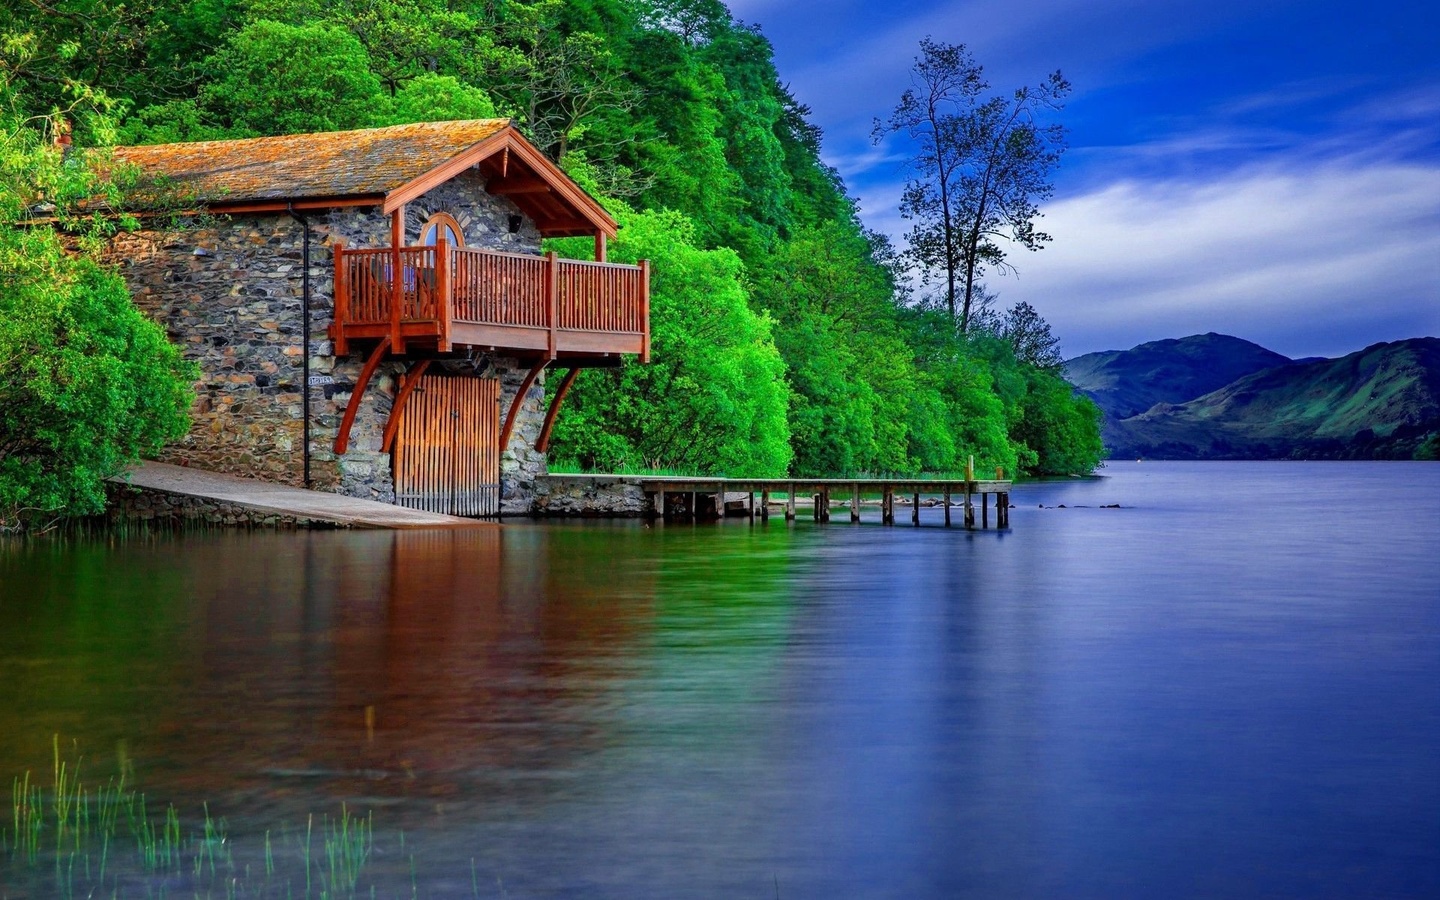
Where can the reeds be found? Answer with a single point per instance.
(68, 839)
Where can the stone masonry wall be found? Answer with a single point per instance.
(229, 292)
(129, 503)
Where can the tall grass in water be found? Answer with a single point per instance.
(69, 839)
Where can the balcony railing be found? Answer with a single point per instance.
(506, 301)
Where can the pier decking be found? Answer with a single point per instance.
(698, 498)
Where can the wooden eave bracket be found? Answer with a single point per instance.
(519, 400)
(342, 437)
(509, 141)
(407, 387)
(543, 444)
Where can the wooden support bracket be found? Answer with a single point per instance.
(543, 445)
(519, 400)
(407, 387)
(342, 439)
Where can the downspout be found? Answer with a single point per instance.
(304, 335)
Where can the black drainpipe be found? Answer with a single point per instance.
(304, 335)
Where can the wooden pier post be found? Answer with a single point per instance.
(815, 506)
(765, 506)
(855, 504)
(825, 504)
(751, 505)
(969, 491)
(984, 510)
(915, 509)
(1002, 510)
(790, 503)
(887, 506)
(947, 507)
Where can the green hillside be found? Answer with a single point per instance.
(1124, 383)
(784, 336)
(1382, 402)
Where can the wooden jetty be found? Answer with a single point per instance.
(699, 498)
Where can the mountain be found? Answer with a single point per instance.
(1382, 402)
(1126, 382)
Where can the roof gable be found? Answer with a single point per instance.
(387, 166)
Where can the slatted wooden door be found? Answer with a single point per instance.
(447, 458)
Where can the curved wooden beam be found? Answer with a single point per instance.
(342, 439)
(519, 399)
(543, 445)
(407, 387)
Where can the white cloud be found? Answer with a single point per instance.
(1321, 259)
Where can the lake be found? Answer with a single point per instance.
(1227, 686)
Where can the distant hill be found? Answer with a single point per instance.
(1382, 402)
(1126, 382)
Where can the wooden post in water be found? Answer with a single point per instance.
(969, 488)
(984, 510)
(915, 509)
(947, 507)
(751, 506)
(765, 505)
(887, 506)
(790, 503)
(855, 504)
(825, 504)
(1002, 510)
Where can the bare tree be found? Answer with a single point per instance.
(981, 168)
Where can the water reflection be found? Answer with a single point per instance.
(1156, 700)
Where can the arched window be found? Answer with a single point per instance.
(440, 226)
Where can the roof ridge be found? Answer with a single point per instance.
(433, 125)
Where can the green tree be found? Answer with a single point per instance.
(715, 399)
(87, 383)
(982, 167)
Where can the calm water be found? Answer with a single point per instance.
(1229, 686)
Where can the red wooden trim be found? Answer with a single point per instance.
(235, 207)
(552, 289)
(520, 184)
(645, 310)
(397, 277)
(514, 413)
(342, 439)
(511, 142)
(599, 246)
(342, 300)
(543, 445)
(407, 387)
(443, 291)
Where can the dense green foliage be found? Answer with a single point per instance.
(87, 383)
(783, 337)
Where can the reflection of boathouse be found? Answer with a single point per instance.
(371, 311)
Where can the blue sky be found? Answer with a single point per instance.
(1264, 169)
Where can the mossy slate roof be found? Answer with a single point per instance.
(331, 164)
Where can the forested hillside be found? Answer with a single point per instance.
(1382, 402)
(784, 340)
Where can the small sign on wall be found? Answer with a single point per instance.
(318, 380)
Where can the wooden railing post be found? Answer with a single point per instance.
(397, 278)
(552, 289)
(443, 289)
(342, 300)
(644, 310)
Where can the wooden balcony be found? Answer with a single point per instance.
(440, 298)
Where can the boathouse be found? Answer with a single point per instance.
(371, 311)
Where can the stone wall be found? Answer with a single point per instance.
(132, 504)
(229, 292)
(591, 495)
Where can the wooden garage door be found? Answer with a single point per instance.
(447, 456)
